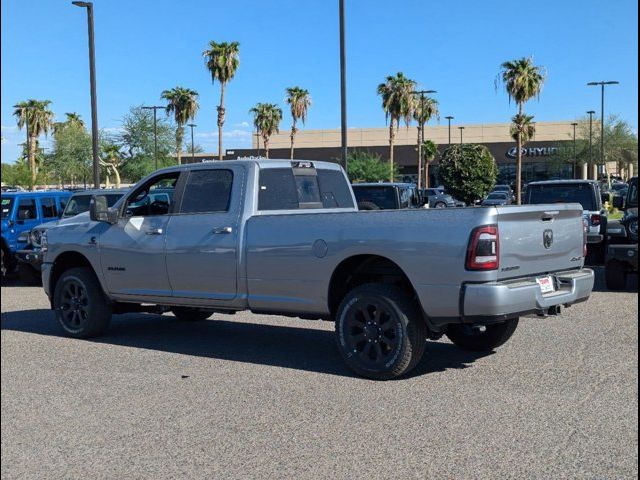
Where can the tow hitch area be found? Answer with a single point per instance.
(551, 311)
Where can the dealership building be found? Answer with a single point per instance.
(541, 159)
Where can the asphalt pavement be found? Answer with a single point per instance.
(251, 396)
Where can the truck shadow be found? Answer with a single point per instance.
(600, 284)
(307, 349)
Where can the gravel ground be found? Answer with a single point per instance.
(250, 396)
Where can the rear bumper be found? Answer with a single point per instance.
(595, 238)
(497, 301)
(624, 253)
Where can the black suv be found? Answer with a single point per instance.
(386, 196)
(622, 254)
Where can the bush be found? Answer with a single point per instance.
(468, 171)
(363, 166)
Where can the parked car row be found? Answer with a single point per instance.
(25, 215)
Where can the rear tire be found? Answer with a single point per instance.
(81, 306)
(28, 275)
(190, 314)
(380, 331)
(615, 275)
(494, 336)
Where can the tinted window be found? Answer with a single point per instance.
(383, 197)
(281, 189)
(207, 191)
(63, 203)
(7, 205)
(581, 193)
(277, 190)
(48, 207)
(334, 189)
(27, 209)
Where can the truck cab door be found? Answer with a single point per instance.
(132, 251)
(202, 237)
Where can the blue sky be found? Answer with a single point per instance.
(455, 47)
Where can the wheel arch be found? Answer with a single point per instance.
(65, 261)
(366, 268)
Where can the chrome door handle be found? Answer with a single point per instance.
(222, 230)
(154, 231)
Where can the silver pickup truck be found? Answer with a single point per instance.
(286, 238)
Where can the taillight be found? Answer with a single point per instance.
(484, 249)
(595, 219)
(585, 230)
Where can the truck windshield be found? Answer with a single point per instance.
(7, 205)
(383, 197)
(581, 193)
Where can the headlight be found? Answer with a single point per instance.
(35, 236)
(44, 244)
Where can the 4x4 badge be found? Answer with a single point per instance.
(547, 238)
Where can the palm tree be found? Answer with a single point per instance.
(183, 103)
(222, 60)
(38, 118)
(397, 103)
(299, 100)
(522, 80)
(429, 152)
(73, 120)
(424, 109)
(266, 119)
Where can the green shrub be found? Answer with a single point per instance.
(468, 171)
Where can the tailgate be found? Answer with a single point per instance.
(536, 239)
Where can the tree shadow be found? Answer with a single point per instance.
(306, 349)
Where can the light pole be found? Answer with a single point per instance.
(461, 129)
(602, 84)
(421, 93)
(193, 156)
(155, 108)
(575, 160)
(591, 114)
(94, 100)
(343, 88)
(449, 118)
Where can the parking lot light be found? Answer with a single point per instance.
(602, 84)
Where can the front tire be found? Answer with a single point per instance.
(494, 336)
(380, 332)
(615, 275)
(189, 314)
(80, 304)
(440, 205)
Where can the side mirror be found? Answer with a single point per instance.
(99, 210)
(618, 202)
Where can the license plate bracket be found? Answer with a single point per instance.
(547, 284)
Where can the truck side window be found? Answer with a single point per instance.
(153, 198)
(207, 191)
(48, 207)
(27, 209)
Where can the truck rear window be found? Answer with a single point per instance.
(280, 189)
(563, 193)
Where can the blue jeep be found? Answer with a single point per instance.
(21, 211)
